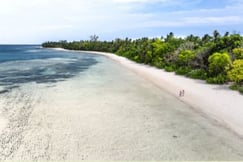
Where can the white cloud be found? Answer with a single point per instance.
(130, 1)
(40, 20)
(141, 1)
(224, 20)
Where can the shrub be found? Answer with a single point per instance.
(197, 74)
(219, 63)
(185, 56)
(234, 87)
(160, 66)
(238, 52)
(158, 62)
(169, 68)
(183, 70)
(236, 72)
(240, 89)
(220, 79)
(136, 58)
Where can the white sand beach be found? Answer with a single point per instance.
(216, 101)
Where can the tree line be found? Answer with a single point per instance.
(216, 58)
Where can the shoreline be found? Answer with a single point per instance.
(217, 102)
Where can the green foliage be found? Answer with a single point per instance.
(236, 72)
(183, 70)
(158, 62)
(185, 56)
(148, 57)
(193, 56)
(234, 87)
(238, 52)
(240, 90)
(159, 47)
(220, 79)
(219, 63)
(169, 68)
(197, 74)
(136, 58)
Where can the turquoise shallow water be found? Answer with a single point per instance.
(62, 105)
(23, 64)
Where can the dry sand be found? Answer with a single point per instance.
(216, 101)
(108, 113)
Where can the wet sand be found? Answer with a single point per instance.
(108, 113)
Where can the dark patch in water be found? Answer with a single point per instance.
(59, 72)
(8, 89)
(38, 75)
(52, 72)
(4, 91)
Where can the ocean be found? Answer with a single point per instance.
(21, 64)
(69, 105)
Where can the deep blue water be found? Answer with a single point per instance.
(21, 64)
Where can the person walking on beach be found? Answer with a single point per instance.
(182, 93)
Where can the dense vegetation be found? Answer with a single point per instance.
(216, 58)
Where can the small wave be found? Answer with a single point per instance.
(33, 51)
(59, 49)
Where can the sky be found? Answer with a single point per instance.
(36, 21)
